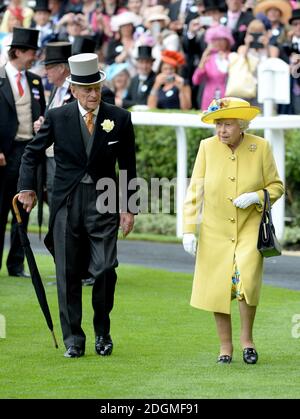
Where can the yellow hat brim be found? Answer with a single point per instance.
(283, 6)
(245, 113)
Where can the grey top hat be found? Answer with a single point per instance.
(57, 52)
(84, 70)
(25, 38)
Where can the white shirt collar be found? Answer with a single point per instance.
(65, 85)
(12, 70)
(84, 112)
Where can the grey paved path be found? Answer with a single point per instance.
(281, 271)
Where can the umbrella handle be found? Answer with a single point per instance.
(16, 209)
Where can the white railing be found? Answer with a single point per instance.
(273, 126)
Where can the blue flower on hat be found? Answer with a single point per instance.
(216, 105)
(213, 108)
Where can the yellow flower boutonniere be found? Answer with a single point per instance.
(35, 82)
(107, 125)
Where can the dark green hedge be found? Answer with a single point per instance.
(156, 157)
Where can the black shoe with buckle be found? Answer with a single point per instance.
(103, 345)
(74, 352)
(250, 356)
(224, 359)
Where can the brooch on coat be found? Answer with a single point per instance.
(252, 147)
(107, 125)
(35, 82)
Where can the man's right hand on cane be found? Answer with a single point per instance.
(28, 199)
(189, 242)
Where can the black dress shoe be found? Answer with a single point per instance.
(224, 359)
(250, 356)
(74, 352)
(88, 282)
(103, 345)
(20, 274)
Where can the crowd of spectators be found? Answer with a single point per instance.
(168, 54)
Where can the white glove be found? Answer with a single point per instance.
(189, 242)
(246, 199)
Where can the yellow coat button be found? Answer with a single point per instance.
(232, 178)
(233, 239)
(230, 198)
(232, 219)
(232, 157)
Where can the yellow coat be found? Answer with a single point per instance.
(227, 232)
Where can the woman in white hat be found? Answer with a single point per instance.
(121, 48)
(156, 20)
(223, 207)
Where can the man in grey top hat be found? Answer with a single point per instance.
(22, 101)
(89, 137)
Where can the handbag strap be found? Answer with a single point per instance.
(267, 207)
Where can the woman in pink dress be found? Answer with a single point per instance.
(213, 66)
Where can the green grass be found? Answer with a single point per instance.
(132, 236)
(163, 347)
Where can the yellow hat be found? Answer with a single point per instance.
(283, 5)
(229, 107)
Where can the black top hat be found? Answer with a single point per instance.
(41, 6)
(57, 52)
(83, 44)
(145, 53)
(25, 38)
(295, 15)
(214, 5)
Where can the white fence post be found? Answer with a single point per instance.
(276, 138)
(181, 176)
(273, 88)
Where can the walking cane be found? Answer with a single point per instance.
(34, 272)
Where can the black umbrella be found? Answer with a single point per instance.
(41, 179)
(34, 272)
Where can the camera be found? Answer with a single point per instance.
(255, 43)
(170, 78)
(206, 20)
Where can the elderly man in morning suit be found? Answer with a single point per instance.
(89, 136)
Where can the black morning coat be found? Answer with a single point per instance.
(62, 126)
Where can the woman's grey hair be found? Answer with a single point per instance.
(244, 125)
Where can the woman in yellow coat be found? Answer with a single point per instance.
(223, 207)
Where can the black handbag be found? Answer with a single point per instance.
(267, 243)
